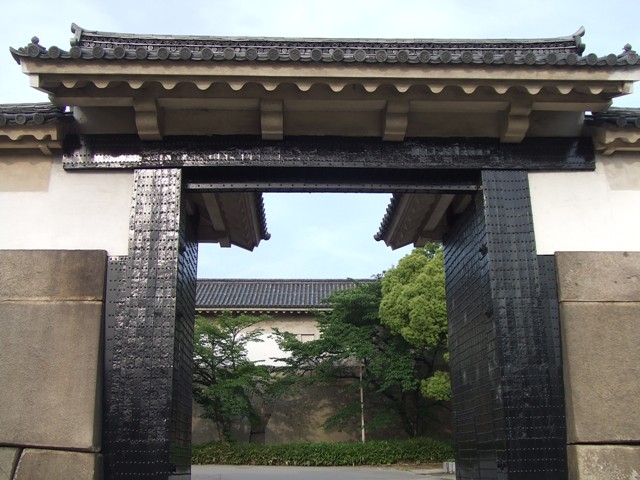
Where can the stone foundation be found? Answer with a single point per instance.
(51, 316)
(8, 462)
(300, 418)
(599, 462)
(599, 295)
(54, 465)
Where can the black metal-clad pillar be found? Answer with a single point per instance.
(508, 398)
(149, 336)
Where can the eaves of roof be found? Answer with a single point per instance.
(262, 218)
(92, 45)
(385, 223)
(616, 130)
(231, 218)
(262, 310)
(418, 218)
(33, 126)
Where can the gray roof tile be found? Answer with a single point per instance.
(619, 117)
(561, 51)
(19, 114)
(226, 294)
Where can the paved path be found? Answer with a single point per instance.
(231, 472)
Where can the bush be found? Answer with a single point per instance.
(379, 452)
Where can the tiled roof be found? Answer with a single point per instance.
(388, 217)
(262, 217)
(619, 117)
(229, 294)
(19, 114)
(562, 51)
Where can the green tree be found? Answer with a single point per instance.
(414, 305)
(353, 336)
(224, 379)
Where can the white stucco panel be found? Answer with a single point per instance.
(588, 211)
(265, 351)
(78, 210)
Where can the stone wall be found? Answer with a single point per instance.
(599, 296)
(297, 418)
(51, 316)
(300, 416)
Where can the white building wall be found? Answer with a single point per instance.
(588, 211)
(305, 327)
(44, 207)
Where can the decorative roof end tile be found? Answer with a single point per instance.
(616, 117)
(21, 114)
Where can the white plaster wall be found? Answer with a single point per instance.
(263, 352)
(77, 210)
(588, 211)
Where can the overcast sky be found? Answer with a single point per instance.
(314, 235)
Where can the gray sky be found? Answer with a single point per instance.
(314, 235)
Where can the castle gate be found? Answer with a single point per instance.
(170, 142)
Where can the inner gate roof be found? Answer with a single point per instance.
(268, 294)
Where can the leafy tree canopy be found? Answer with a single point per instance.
(413, 298)
(394, 328)
(224, 379)
(352, 336)
(414, 305)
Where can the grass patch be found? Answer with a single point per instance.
(379, 452)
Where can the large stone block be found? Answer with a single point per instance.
(598, 276)
(50, 371)
(604, 462)
(8, 461)
(52, 274)
(57, 465)
(601, 371)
